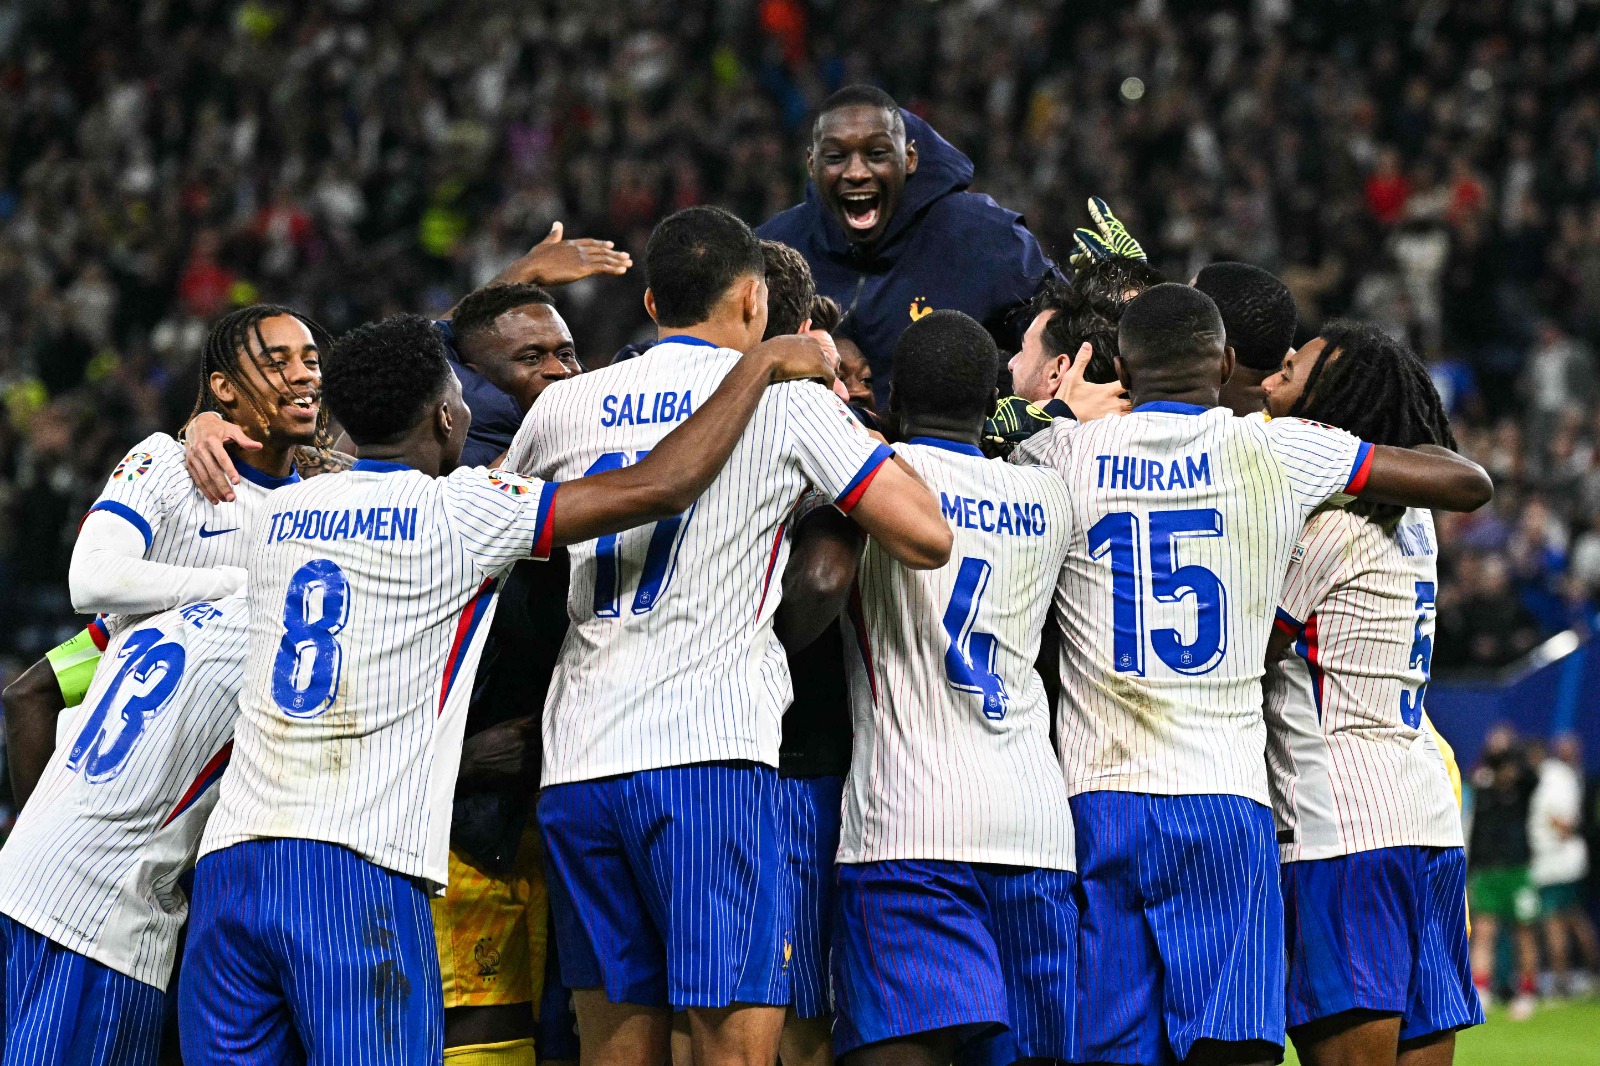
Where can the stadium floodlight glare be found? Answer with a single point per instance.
(1132, 89)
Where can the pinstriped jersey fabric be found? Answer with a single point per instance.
(94, 860)
(670, 658)
(151, 489)
(371, 592)
(1183, 522)
(952, 757)
(1352, 766)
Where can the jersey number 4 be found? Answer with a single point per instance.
(660, 558)
(1117, 535)
(305, 674)
(150, 671)
(969, 661)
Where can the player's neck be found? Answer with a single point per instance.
(722, 334)
(273, 459)
(959, 430)
(1200, 397)
(421, 452)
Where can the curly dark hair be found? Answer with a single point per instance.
(790, 288)
(229, 343)
(1379, 390)
(479, 310)
(826, 314)
(381, 377)
(1090, 308)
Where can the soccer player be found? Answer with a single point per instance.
(662, 727)
(1183, 521)
(152, 541)
(1259, 314)
(891, 232)
(1374, 876)
(91, 903)
(369, 596)
(956, 909)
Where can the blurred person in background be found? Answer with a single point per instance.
(891, 232)
(1498, 888)
(1559, 867)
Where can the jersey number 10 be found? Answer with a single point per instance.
(1117, 535)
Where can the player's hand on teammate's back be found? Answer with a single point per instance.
(207, 438)
(498, 755)
(1088, 399)
(554, 261)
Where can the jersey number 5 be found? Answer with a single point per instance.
(969, 661)
(660, 558)
(305, 674)
(1117, 535)
(153, 669)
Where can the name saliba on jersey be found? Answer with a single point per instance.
(643, 410)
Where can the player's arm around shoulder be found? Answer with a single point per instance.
(1427, 476)
(680, 468)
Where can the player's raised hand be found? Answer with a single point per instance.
(1087, 399)
(205, 454)
(498, 755)
(797, 357)
(554, 261)
(1112, 241)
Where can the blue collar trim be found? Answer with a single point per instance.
(1170, 407)
(266, 481)
(948, 445)
(683, 338)
(378, 466)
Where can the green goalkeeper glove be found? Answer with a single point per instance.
(1113, 240)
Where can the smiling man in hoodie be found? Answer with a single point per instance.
(891, 232)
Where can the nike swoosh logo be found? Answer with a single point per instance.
(204, 532)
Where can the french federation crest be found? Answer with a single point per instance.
(134, 466)
(508, 483)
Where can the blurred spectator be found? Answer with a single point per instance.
(1498, 887)
(1559, 864)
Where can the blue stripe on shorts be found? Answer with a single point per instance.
(1382, 930)
(300, 949)
(922, 945)
(65, 1009)
(809, 814)
(1181, 936)
(665, 885)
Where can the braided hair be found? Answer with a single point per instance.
(227, 346)
(1379, 390)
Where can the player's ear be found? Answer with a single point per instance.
(1058, 367)
(994, 403)
(1123, 375)
(222, 388)
(894, 401)
(444, 422)
(1227, 364)
(650, 304)
(911, 158)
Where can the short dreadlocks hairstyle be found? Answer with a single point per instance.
(236, 337)
(1378, 390)
(790, 289)
(480, 310)
(1089, 310)
(380, 378)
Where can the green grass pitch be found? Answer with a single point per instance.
(1559, 1034)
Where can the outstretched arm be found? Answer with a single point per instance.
(817, 579)
(899, 511)
(1426, 476)
(680, 468)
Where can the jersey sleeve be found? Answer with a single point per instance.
(524, 447)
(1315, 567)
(500, 517)
(834, 450)
(1047, 447)
(146, 485)
(1320, 462)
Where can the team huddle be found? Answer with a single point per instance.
(1218, 813)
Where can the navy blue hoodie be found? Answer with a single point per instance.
(944, 248)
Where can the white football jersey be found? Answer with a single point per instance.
(952, 757)
(1351, 764)
(371, 592)
(152, 490)
(671, 658)
(1184, 519)
(95, 857)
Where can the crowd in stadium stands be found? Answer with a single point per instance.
(1432, 167)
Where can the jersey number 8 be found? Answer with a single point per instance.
(305, 674)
